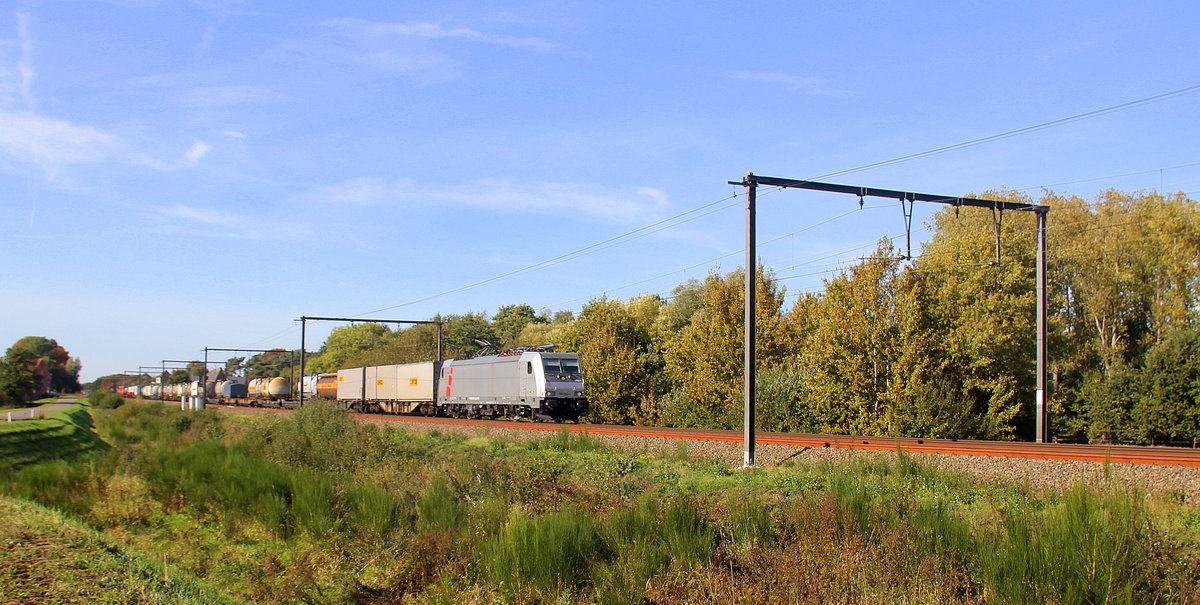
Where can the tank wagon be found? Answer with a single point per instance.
(539, 385)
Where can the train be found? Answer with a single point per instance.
(535, 383)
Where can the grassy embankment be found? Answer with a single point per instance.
(313, 507)
(48, 557)
(63, 434)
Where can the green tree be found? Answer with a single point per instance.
(1167, 405)
(706, 357)
(16, 381)
(510, 320)
(619, 366)
(1106, 402)
(469, 334)
(64, 373)
(343, 345)
(852, 345)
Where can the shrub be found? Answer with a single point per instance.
(105, 400)
(320, 436)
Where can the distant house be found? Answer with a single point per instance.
(41, 379)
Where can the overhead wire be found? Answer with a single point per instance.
(612, 241)
(668, 222)
(715, 259)
(1016, 132)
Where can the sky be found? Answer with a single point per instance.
(181, 175)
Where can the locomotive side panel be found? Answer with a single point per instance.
(483, 380)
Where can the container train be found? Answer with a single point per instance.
(537, 383)
(534, 384)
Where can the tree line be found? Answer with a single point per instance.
(941, 345)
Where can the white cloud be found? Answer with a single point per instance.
(803, 84)
(213, 222)
(51, 144)
(198, 150)
(504, 195)
(234, 134)
(423, 29)
(419, 49)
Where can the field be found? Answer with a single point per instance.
(314, 507)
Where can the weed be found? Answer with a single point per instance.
(749, 522)
(548, 553)
(439, 507)
(566, 441)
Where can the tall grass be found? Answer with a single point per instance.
(1086, 549)
(439, 507)
(564, 440)
(549, 553)
(562, 551)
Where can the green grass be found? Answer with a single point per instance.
(63, 434)
(49, 558)
(313, 507)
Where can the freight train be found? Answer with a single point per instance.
(535, 383)
(255, 391)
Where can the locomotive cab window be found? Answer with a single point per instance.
(528, 367)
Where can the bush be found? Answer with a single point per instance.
(105, 400)
(319, 436)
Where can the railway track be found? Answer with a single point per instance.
(1118, 454)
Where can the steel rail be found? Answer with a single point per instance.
(1117, 454)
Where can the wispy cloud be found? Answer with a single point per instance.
(225, 95)
(213, 222)
(424, 29)
(420, 49)
(198, 150)
(505, 196)
(803, 84)
(51, 144)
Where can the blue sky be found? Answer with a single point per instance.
(176, 175)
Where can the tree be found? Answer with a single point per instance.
(16, 381)
(618, 372)
(1170, 380)
(64, 371)
(852, 345)
(705, 359)
(510, 320)
(469, 334)
(343, 344)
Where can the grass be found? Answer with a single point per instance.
(49, 558)
(63, 434)
(313, 507)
